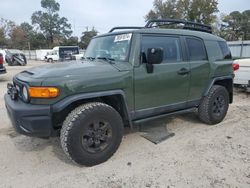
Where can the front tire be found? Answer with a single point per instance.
(214, 106)
(91, 133)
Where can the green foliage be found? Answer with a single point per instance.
(72, 41)
(50, 5)
(50, 23)
(35, 40)
(161, 10)
(2, 38)
(202, 11)
(17, 38)
(6, 27)
(236, 26)
(87, 36)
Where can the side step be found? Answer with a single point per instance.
(190, 110)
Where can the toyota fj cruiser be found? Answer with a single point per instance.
(126, 77)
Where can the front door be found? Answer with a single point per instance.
(166, 89)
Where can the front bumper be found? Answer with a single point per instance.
(2, 70)
(28, 119)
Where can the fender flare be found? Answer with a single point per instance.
(212, 82)
(62, 104)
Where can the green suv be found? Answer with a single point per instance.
(126, 77)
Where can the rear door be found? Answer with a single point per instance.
(200, 68)
(166, 89)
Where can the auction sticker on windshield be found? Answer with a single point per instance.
(123, 37)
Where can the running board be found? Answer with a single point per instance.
(190, 110)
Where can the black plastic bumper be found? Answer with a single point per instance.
(2, 70)
(28, 119)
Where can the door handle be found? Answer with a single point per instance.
(183, 71)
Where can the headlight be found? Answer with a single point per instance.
(25, 94)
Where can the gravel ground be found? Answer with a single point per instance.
(197, 156)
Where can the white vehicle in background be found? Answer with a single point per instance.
(61, 53)
(77, 56)
(42, 53)
(242, 75)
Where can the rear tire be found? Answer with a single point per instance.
(91, 133)
(50, 60)
(214, 106)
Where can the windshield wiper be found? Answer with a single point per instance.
(110, 60)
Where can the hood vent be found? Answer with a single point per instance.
(27, 72)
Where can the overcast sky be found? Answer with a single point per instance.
(103, 14)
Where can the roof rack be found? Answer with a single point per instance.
(166, 22)
(186, 24)
(125, 27)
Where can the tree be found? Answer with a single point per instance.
(35, 38)
(236, 26)
(246, 24)
(2, 38)
(72, 41)
(18, 38)
(202, 11)
(6, 27)
(161, 10)
(87, 36)
(231, 26)
(50, 23)
(38, 41)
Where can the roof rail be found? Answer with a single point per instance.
(125, 27)
(186, 24)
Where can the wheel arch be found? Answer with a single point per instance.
(225, 81)
(115, 98)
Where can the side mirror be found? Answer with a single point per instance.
(154, 55)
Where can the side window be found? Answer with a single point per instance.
(170, 45)
(226, 53)
(196, 49)
(218, 50)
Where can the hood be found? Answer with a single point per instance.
(71, 68)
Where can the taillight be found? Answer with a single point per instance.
(236, 66)
(1, 59)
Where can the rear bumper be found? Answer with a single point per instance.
(28, 119)
(2, 70)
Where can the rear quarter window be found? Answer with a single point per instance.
(218, 50)
(226, 53)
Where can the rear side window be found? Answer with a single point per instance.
(170, 45)
(218, 50)
(226, 53)
(196, 49)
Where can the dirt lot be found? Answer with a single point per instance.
(197, 156)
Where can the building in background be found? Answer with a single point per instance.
(240, 49)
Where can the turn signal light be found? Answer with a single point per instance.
(43, 92)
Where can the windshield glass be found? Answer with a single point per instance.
(115, 47)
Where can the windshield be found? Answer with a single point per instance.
(115, 47)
